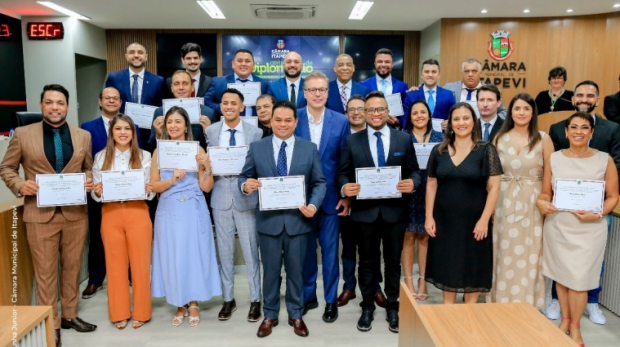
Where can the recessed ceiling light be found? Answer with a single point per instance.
(360, 9)
(483, 11)
(616, 5)
(211, 8)
(569, 10)
(526, 11)
(61, 9)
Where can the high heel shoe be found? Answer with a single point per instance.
(577, 325)
(194, 320)
(421, 297)
(413, 291)
(567, 332)
(178, 320)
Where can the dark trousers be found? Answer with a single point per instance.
(348, 231)
(369, 239)
(96, 254)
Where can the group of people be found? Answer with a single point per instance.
(478, 200)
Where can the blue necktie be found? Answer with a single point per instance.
(469, 92)
(383, 88)
(58, 150)
(134, 90)
(485, 135)
(232, 142)
(380, 150)
(281, 166)
(242, 114)
(431, 101)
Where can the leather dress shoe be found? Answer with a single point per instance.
(91, 290)
(331, 313)
(266, 326)
(57, 335)
(365, 322)
(299, 327)
(380, 299)
(310, 305)
(254, 314)
(345, 296)
(392, 319)
(78, 324)
(227, 309)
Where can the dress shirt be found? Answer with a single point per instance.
(50, 149)
(196, 83)
(372, 141)
(426, 94)
(106, 124)
(492, 122)
(121, 162)
(277, 143)
(297, 86)
(464, 92)
(225, 134)
(248, 109)
(140, 84)
(316, 128)
(348, 90)
(388, 84)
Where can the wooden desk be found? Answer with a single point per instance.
(22, 320)
(16, 270)
(475, 325)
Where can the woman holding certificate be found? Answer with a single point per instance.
(461, 193)
(517, 227)
(184, 266)
(121, 175)
(420, 126)
(580, 187)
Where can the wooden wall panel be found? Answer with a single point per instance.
(587, 46)
(15, 260)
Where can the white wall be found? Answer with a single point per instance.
(430, 42)
(90, 77)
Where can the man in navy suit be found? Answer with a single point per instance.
(327, 130)
(489, 98)
(243, 65)
(341, 89)
(110, 104)
(384, 81)
(191, 57)
(379, 220)
(439, 100)
(284, 233)
(290, 87)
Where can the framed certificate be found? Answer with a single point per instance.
(142, 115)
(423, 152)
(282, 193)
(61, 189)
(378, 182)
(123, 185)
(250, 90)
(172, 155)
(250, 120)
(227, 160)
(578, 195)
(190, 105)
(395, 104)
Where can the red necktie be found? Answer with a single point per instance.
(194, 91)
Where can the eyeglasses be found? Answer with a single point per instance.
(353, 109)
(108, 98)
(372, 110)
(314, 90)
(583, 127)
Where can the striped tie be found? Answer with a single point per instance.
(343, 97)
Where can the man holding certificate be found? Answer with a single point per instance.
(232, 210)
(52, 147)
(381, 163)
(283, 223)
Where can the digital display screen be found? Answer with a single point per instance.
(45, 31)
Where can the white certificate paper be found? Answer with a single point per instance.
(227, 160)
(123, 185)
(172, 155)
(437, 124)
(191, 106)
(423, 152)
(250, 120)
(61, 189)
(578, 195)
(282, 193)
(395, 104)
(250, 90)
(142, 115)
(378, 182)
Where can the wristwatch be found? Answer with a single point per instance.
(600, 216)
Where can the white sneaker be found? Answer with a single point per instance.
(552, 311)
(595, 314)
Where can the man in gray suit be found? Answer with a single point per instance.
(284, 233)
(233, 210)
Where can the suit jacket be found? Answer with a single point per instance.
(606, 138)
(495, 129)
(197, 130)
(444, 100)
(213, 97)
(334, 102)
(260, 162)
(225, 191)
(457, 87)
(152, 88)
(26, 148)
(279, 90)
(612, 107)
(335, 131)
(397, 86)
(96, 128)
(356, 154)
(203, 85)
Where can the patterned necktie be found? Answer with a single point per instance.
(293, 96)
(431, 101)
(383, 87)
(58, 151)
(380, 150)
(281, 166)
(343, 97)
(134, 90)
(242, 114)
(232, 142)
(485, 135)
(469, 92)
(193, 91)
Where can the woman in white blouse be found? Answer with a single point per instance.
(126, 229)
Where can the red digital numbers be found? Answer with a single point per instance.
(4, 30)
(45, 31)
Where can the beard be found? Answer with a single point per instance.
(583, 107)
(385, 75)
(287, 74)
(51, 121)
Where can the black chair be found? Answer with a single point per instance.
(23, 118)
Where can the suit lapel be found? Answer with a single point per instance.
(202, 88)
(325, 132)
(393, 145)
(38, 147)
(304, 125)
(296, 156)
(77, 147)
(146, 86)
(215, 142)
(246, 133)
(101, 133)
(598, 132)
(300, 93)
(270, 155)
(364, 144)
(282, 89)
(127, 85)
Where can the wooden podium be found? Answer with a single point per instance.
(475, 325)
(26, 326)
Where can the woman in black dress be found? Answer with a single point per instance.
(461, 192)
(556, 98)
